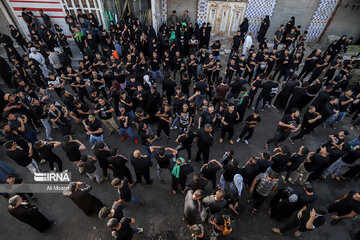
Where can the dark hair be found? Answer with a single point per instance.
(199, 193)
(113, 222)
(113, 152)
(308, 187)
(116, 182)
(161, 151)
(72, 186)
(9, 144)
(104, 213)
(266, 156)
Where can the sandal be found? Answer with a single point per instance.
(266, 146)
(253, 212)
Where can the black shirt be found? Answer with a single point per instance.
(343, 108)
(20, 157)
(204, 139)
(46, 151)
(119, 164)
(296, 160)
(308, 116)
(102, 156)
(230, 172)
(279, 162)
(201, 86)
(267, 86)
(124, 191)
(103, 108)
(287, 119)
(351, 156)
(230, 118)
(348, 204)
(317, 161)
(125, 232)
(72, 151)
(118, 211)
(251, 118)
(89, 166)
(164, 161)
(94, 126)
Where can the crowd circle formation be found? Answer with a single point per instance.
(139, 82)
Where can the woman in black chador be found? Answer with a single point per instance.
(265, 24)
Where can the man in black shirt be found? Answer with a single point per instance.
(235, 43)
(310, 63)
(289, 123)
(121, 230)
(94, 130)
(348, 159)
(141, 164)
(163, 159)
(105, 110)
(40, 112)
(118, 163)
(346, 207)
(306, 220)
(265, 93)
(72, 148)
(80, 111)
(205, 140)
(102, 153)
(344, 103)
(185, 141)
(116, 211)
(155, 63)
(313, 162)
(228, 121)
(251, 122)
(45, 150)
(201, 86)
(309, 119)
(165, 120)
(124, 191)
(22, 158)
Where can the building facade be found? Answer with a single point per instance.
(318, 17)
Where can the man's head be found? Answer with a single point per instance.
(196, 229)
(104, 213)
(295, 112)
(113, 223)
(117, 182)
(220, 195)
(208, 127)
(15, 201)
(198, 194)
(10, 145)
(137, 154)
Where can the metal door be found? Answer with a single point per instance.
(225, 17)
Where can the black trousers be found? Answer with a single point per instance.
(258, 199)
(188, 149)
(205, 152)
(246, 130)
(211, 178)
(304, 72)
(250, 74)
(293, 222)
(163, 127)
(279, 137)
(303, 131)
(143, 173)
(176, 181)
(57, 160)
(227, 129)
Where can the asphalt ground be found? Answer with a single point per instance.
(162, 213)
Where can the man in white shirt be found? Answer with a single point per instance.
(40, 58)
(247, 44)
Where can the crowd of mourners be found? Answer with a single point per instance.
(144, 84)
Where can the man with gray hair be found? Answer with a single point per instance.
(28, 213)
